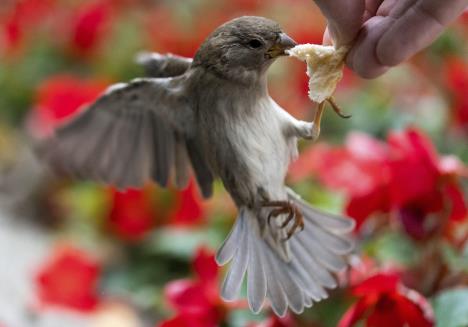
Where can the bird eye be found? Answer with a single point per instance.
(255, 44)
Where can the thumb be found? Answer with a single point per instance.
(327, 38)
(344, 18)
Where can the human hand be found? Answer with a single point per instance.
(384, 33)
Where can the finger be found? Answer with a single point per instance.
(415, 28)
(344, 18)
(395, 8)
(362, 58)
(371, 8)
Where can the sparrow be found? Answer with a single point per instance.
(213, 115)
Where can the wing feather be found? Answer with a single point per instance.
(159, 65)
(128, 136)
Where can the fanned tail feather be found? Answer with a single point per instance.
(314, 255)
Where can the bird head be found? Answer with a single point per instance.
(242, 49)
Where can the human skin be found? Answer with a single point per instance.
(384, 33)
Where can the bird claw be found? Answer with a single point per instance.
(337, 109)
(315, 126)
(285, 207)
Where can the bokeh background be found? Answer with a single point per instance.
(76, 253)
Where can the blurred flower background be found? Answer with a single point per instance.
(76, 253)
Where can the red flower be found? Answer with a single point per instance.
(196, 301)
(23, 18)
(60, 97)
(69, 279)
(384, 301)
(188, 207)
(456, 76)
(420, 186)
(362, 159)
(89, 26)
(404, 177)
(132, 214)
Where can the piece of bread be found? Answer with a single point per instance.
(324, 68)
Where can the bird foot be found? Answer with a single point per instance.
(315, 125)
(282, 208)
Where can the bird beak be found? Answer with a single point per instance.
(283, 43)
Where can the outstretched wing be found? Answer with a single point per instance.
(133, 133)
(159, 65)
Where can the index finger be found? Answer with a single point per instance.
(344, 18)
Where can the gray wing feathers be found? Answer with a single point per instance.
(316, 254)
(202, 173)
(163, 146)
(169, 65)
(131, 134)
(158, 65)
(181, 163)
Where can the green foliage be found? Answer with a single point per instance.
(393, 247)
(451, 308)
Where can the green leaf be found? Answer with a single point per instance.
(240, 318)
(181, 243)
(393, 247)
(457, 260)
(451, 308)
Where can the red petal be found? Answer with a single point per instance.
(456, 75)
(69, 279)
(366, 148)
(132, 214)
(416, 144)
(379, 283)
(189, 208)
(385, 314)
(59, 98)
(89, 26)
(187, 296)
(361, 207)
(355, 313)
(413, 167)
(458, 205)
(362, 159)
(414, 309)
(205, 265)
(177, 321)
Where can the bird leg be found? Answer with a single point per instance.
(285, 207)
(315, 131)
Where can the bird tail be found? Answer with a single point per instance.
(293, 273)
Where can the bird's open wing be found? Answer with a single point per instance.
(133, 133)
(159, 65)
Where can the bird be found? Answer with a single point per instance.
(213, 115)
